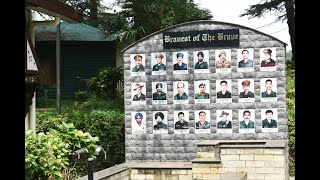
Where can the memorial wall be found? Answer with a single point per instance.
(202, 80)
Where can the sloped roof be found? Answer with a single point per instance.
(71, 32)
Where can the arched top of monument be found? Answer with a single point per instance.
(201, 25)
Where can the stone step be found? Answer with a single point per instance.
(234, 176)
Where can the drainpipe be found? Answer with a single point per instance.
(32, 24)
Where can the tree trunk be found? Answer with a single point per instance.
(292, 27)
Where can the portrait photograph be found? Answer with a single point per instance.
(246, 90)
(159, 92)
(223, 89)
(181, 122)
(268, 59)
(202, 91)
(180, 62)
(138, 119)
(224, 120)
(246, 121)
(202, 121)
(201, 61)
(180, 92)
(269, 120)
(138, 93)
(268, 88)
(160, 122)
(223, 60)
(245, 60)
(158, 63)
(137, 64)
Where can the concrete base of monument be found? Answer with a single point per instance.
(227, 159)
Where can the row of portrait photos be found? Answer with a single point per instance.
(246, 121)
(201, 63)
(268, 91)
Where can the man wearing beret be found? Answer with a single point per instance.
(159, 66)
(245, 62)
(159, 118)
(201, 64)
(223, 63)
(159, 95)
(269, 122)
(180, 65)
(268, 62)
(138, 61)
(268, 92)
(202, 94)
(246, 90)
(139, 96)
(224, 93)
(224, 122)
(181, 95)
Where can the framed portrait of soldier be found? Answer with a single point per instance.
(138, 122)
(202, 91)
(223, 89)
(246, 90)
(137, 62)
(160, 122)
(246, 121)
(245, 60)
(180, 92)
(138, 93)
(158, 63)
(202, 119)
(180, 62)
(224, 121)
(181, 122)
(223, 60)
(269, 120)
(268, 59)
(159, 92)
(201, 61)
(268, 88)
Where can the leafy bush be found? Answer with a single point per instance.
(106, 82)
(50, 155)
(291, 118)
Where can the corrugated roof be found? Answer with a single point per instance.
(71, 32)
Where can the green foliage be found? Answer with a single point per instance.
(81, 96)
(47, 120)
(106, 81)
(50, 154)
(291, 118)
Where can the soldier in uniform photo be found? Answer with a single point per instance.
(202, 123)
(223, 62)
(224, 93)
(181, 124)
(268, 61)
(202, 94)
(181, 95)
(245, 62)
(246, 122)
(159, 94)
(246, 90)
(180, 65)
(138, 64)
(159, 66)
(201, 64)
(159, 118)
(224, 122)
(268, 92)
(269, 122)
(139, 96)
